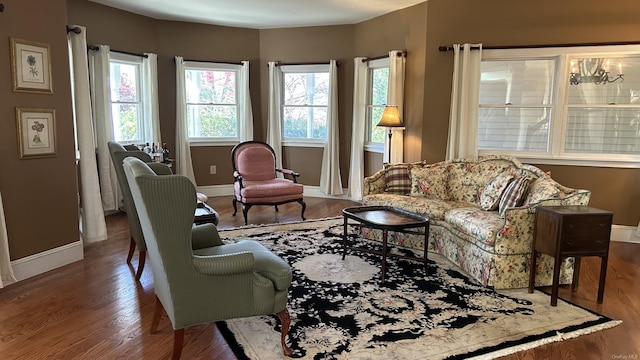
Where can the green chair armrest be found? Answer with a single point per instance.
(224, 264)
(205, 235)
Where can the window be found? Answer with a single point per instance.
(378, 85)
(212, 101)
(129, 123)
(562, 105)
(305, 102)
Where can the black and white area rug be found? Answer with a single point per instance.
(340, 310)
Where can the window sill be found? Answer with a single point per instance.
(628, 163)
(304, 143)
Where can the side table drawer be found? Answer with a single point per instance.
(586, 233)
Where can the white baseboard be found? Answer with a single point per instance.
(624, 233)
(39, 263)
(227, 190)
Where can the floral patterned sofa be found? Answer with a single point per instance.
(481, 212)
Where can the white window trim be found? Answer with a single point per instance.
(556, 155)
(368, 145)
(213, 66)
(306, 68)
(142, 86)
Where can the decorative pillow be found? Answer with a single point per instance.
(397, 179)
(430, 181)
(492, 192)
(514, 194)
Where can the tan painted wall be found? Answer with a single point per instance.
(39, 195)
(499, 22)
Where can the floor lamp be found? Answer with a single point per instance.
(390, 119)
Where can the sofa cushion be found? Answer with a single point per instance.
(430, 181)
(431, 207)
(482, 225)
(545, 188)
(397, 179)
(492, 192)
(514, 194)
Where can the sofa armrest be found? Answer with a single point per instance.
(374, 184)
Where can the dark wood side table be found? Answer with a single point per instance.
(386, 218)
(564, 231)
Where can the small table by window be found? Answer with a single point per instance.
(564, 231)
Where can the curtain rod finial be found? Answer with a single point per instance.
(443, 48)
(1, 7)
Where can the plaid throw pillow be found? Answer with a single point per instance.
(397, 179)
(513, 195)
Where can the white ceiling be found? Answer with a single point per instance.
(262, 14)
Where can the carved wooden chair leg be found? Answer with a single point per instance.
(178, 342)
(285, 322)
(276, 208)
(141, 259)
(132, 248)
(157, 315)
(235, 208)
(304, 207)
(245, 210)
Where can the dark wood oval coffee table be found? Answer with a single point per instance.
(385, 218)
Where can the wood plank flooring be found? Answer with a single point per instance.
(94, 309)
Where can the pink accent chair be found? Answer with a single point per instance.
(254, 170)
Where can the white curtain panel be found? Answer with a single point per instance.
(274, 130)
(150, 97)
(101, 106)
(463, 119)
(330, 180)
(246, 111)
(356, 170)
(93, 227)
(395, 96)
(6, 271)
(183, 149)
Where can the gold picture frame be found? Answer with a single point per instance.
(30, 66)
(36, 132)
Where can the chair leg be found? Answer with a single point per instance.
(235, 209)
(304, 207)
(276, 208)
(285, 321)
(157, 315)
(178, 342)
(132, 248)
(141, 258)
(245, 210)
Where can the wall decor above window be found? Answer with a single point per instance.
(30, 66)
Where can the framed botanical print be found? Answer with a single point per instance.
(36, 132)
(30, 66)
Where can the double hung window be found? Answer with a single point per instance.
(130, 125)
(212, 102)
(377, 89)
(578, 105)
(305, 102)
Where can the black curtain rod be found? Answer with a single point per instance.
(96, 48)
(306, 63)
(74, 29)
(505, 47)
(400, 53)
(209, 61)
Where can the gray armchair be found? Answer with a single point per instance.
(197, 278)
(118, 154)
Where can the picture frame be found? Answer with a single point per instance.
(36, 132)
(31, 66)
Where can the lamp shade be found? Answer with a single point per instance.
(390, 117)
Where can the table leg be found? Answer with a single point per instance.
(426, 246)
(576, 273)
(384, 253)
(603, 276)
(344, 238)
(556, 279)
(532, 271)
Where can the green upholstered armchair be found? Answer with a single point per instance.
(197, 278)
(118, 154)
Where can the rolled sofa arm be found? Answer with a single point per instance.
(374, 184)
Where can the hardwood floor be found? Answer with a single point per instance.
(94, 309)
